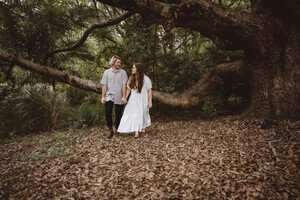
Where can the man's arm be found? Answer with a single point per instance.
(124, 87)
(104, 88)
(125, 90)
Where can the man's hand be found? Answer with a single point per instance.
(123, 100)
(103, 100)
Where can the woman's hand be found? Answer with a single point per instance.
(150, 105)
(123, 100)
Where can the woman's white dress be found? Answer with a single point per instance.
(136, 113)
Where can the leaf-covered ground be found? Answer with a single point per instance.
(224, 158)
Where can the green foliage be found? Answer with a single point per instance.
(31, 29)
(37, 109)
(235, 4)
(210, 106)
(90, 114)
(47, 154)
(33, 109)
(75, 96)
(54, 146)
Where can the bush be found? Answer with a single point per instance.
(89, 114)
(33, 109)
(37, 108)
(210, 106)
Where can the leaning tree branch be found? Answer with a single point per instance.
(182, 43)
(209, 84)
(60, 76)
(88, 31)
(204, 16)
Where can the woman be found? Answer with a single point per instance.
(136, 114)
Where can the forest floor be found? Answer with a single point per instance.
(221, 158)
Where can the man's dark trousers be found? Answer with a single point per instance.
(108, 113)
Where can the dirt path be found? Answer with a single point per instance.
(224, 158)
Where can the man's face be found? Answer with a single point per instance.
(118, 64)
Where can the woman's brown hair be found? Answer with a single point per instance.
(137, 79)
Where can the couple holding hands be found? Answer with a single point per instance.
(115, 90)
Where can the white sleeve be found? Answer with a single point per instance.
(104, 80)
(148, 83)
(128, 82)
(124, 78)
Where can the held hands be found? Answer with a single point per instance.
(123, 100)
(150, 105)
(103, 100)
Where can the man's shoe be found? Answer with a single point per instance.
(110, 133)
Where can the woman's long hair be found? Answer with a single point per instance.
(137, 79)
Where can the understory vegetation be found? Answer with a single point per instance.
(37, 108)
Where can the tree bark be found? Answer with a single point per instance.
(275, 68)
(275, 77)
(210, 19)
(209, 84)
(50, 72)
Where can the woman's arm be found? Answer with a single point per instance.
(150, 98)
(127, 93)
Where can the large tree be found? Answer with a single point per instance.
(269, 35)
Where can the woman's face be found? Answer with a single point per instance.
(133, 70)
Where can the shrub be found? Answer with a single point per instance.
(90, 114)
(37, 108)
(33, 109)
(210, 106)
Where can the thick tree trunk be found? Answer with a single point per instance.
(274, 62)
(275, 80)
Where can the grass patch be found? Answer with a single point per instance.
(53, 146)
(50, 153)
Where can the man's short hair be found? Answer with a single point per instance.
(113, 60)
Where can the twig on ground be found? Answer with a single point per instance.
(273, 149)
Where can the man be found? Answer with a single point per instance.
(113, 92)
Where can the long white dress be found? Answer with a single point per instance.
(136, 113)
